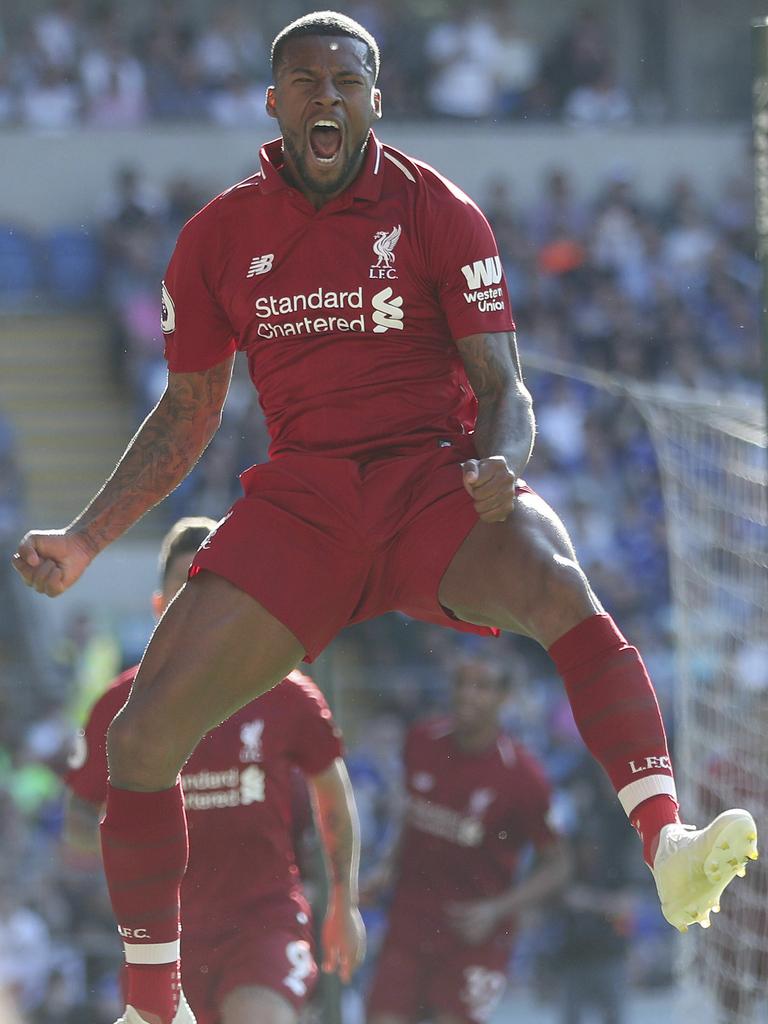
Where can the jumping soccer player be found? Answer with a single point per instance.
(476, 801)
(400, 426)
(247, 937)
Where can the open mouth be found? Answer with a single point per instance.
(325, 140)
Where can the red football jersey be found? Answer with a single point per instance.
(238, 792)
(347, 314)
(468, 817)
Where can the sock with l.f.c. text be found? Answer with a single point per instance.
(144, 847)
(617, 714)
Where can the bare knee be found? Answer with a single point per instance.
(562, 600)
(141, 751)
(557, 597)
(254, 1004)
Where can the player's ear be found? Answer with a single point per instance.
(376, 103)
(270, 101)
(157, 604)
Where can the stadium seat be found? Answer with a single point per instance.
(73, 265)
(20, 275)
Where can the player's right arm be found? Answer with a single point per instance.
(160, 455)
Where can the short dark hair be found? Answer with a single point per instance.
(183, 538)
(326, 23)
(495, 668)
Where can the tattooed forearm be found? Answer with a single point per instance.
(505, 422)
(162, 452)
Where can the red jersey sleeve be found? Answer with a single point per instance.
(197, 331)
(535, 798)
(317, 742)
(464, 262)
(87, 774)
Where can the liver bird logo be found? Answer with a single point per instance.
(383, 245)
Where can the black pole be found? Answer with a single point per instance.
(760, 136)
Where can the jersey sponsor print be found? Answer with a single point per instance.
(349, 314)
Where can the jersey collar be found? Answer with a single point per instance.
(366, 186)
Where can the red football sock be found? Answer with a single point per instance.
(618, 716)
(649, 818)
(144, 847)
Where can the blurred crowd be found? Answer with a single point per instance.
(108, 66)
(661, 293)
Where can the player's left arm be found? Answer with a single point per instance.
(476, 920)
(337, 822)
(505, 426)
(80, 833)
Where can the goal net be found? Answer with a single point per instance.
(712, 458)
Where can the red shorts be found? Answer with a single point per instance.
(322, 542)
(271, 947)
(424, 968)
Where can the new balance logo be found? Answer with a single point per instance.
(387, 311)
(260, 264)
(482, 272)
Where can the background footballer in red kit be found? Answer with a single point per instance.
(247, 936)
(477, 801)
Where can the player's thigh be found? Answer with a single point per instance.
(521, 575)
(255, 1004)
(214, 650)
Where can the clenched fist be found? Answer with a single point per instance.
(492, 486)
(50, 561)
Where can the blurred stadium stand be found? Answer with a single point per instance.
(118, 65)
(20, 266)
(70, 416)
(73, 264)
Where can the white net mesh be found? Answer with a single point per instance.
(712, 456)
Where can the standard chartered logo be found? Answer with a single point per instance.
(251, 785)
(387, 311)
(213, 790)
(323, 312)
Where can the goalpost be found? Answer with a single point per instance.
(713, 463)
